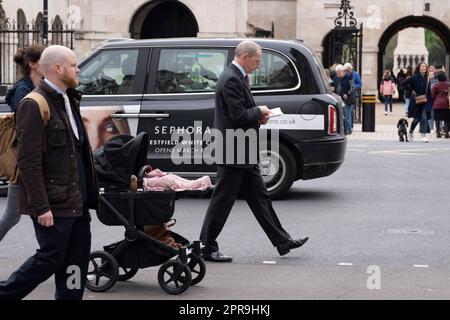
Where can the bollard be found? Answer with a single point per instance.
(368, 114)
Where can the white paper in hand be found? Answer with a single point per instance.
(275, 112)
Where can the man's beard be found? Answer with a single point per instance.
(70, 82)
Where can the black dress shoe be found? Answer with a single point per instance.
(216, 256)
(290, 244)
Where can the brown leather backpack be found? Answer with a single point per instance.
(8, 139)
(161, 232)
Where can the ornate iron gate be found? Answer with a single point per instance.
(345, 45)
(14, 36)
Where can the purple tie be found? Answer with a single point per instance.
(247, 82)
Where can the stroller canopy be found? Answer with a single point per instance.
(121, 157)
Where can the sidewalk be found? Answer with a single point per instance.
(385, 126)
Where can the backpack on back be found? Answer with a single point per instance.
(8, 139)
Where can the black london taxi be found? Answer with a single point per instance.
(163, 86)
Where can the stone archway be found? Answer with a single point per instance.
(413, 21)
(163, 19)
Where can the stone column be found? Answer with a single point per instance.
(410, 49)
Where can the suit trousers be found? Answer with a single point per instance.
(66, 244)
(248, 181)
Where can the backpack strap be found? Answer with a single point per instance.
(43, 108)
(42, 103)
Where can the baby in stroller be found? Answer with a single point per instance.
(124, 202)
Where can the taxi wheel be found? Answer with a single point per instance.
(4, 183)
(279, 170)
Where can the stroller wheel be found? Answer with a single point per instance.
(198, 269)
(126, 273)
(103, 271)
(174, 277)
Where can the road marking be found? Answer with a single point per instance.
(421, 265)
(269, 262)
(412, 231)
(356, 150)
(345, 264)
(411, 154)
(408, 150)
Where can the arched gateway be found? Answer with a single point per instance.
(163, 19)
(413, 21)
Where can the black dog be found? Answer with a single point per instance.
(402, 131)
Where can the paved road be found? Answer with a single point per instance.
(385, 210)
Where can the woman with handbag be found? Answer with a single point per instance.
(420, 104)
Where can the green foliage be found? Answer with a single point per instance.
(433, 42)
(388, 59)
(436, 48)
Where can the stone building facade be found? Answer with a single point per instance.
(97, 20)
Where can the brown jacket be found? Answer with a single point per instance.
(49, 179)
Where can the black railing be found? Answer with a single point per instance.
(14, 37)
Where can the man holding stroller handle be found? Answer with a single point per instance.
(235, 109)
(57, 183)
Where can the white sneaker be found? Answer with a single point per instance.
(385, 113)
(424, 137)
(411, 136)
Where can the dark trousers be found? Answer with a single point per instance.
(251, 186)
(67, 243)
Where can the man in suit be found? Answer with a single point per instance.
(236, 110)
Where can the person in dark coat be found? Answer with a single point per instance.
(343, 87)
(236, 111)
(401, 90)
(439, 94)
(407, 92)
(57, 183)
(419, 84)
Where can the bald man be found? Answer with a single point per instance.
(57, 183)
(236, 111)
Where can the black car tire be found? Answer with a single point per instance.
(4, 184)
(280, 182)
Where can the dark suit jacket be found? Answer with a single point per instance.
(236, 109)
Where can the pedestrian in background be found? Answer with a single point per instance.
(56, 187)
(407, 91)
(344, 89)
(31, 73)
(356, 84)
(433, 80)
(439, 94)
(419, 84)
(400, 89)
(387, 89)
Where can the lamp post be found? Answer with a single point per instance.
(45, 24)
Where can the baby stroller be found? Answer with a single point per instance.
(125, 204)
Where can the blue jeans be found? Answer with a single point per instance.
(11, 217)
(424, 127)
(431, 121)
(407, 104)
(347, 109)
(387, 99)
